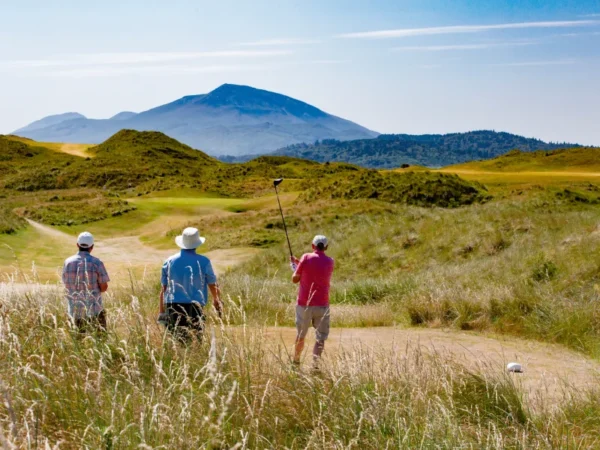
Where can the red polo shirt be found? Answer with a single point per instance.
(315, 270)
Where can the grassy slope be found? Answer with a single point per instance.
(80, 150)
(519, 173)
(525, 265)
(340, 201)
(579, 159)
(141, 163)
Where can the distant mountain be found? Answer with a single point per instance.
(231, 120)
(125, 115)
(48, 122)
(432, 150)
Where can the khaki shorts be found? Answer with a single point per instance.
(317, 316)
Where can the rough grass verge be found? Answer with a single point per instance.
(137, 388)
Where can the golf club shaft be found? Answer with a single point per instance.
(283, 220)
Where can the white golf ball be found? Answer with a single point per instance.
(514, 367)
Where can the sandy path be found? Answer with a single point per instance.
(77, 150)
(547, 367)
(50, 232)
(122, 252)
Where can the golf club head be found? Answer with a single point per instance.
(277, 182)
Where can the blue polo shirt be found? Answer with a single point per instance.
(187, 276)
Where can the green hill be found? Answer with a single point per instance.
(64, 189)
(581, 159)
(432, 150)
(411, 188)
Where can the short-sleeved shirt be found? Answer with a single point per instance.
(315, 270)
(187, 276)
(82, 276)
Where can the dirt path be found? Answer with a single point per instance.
(547, 367)
(121, 252)
(50, 232)
(77, 150)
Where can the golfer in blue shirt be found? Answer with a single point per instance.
(186, 279)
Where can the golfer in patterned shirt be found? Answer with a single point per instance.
(313, 271)
(85, 279)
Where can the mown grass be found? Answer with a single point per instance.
(137, 388)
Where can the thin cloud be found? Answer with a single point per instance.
(560, 62)
(279, 42)
(445, 48)
(105, 71)
(137, 58)
(408, 32)
(593, 33)
(322, 61)
(149, 70)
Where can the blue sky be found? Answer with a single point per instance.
(528, 67)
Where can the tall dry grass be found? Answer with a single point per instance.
(138, 388)
(528, 267)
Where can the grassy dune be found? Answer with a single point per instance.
(523, 267)
(506, 248)
(80, 150)
(136, 388)
(520, 171)
(579, 159)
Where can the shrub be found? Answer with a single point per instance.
(544, 270)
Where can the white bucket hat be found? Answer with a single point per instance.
(85, 240)
(189, 239)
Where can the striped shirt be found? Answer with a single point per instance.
(82, 276)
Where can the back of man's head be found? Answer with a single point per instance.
(320, 242)
(85, 242)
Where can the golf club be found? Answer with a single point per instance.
(276, 183)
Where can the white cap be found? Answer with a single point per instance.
(85, 240)
(189, 239)
(320, 239)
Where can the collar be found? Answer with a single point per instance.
(191, 251)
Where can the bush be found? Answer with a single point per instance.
(412, 188)
(544, 270)
(10, 223)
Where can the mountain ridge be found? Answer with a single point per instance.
(231, 119)
(49, 121)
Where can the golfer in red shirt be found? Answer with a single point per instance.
(313, 271)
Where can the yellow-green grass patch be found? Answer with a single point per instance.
(80, 150)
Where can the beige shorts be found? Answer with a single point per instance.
(317, 316)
